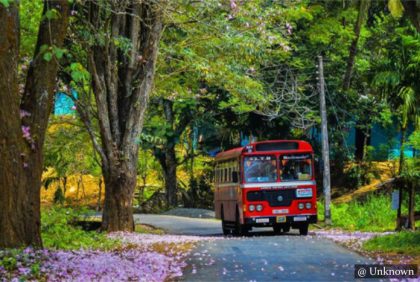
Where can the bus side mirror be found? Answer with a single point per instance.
(235, 176)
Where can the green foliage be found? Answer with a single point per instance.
(6, 3)
(414, 140)
(79, 73)
(51, 14)
(405, 242)
(59, 196)
(30, 16)
(396, 8)
(49, 52)
(360, 174)
(373, 214)
(59, 232)
(68, 150)
(9, 262)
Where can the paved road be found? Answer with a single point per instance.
(260, 257)
(181, 225)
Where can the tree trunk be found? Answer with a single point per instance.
(400, 170)
(64, 186)
(362, 139)
(363, 8)
(21, 140)
(98, 206)
(412, 9)
(122, 83)
(120, 183)
(12, 175)
(412, 206)
(170, 176)
(402, 142)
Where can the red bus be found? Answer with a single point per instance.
(268, 183)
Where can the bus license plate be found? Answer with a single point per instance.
(262, 220)
(280, 219)
(299, 218)
(281, 211)
(304, 193)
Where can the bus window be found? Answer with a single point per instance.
(296, 167)
(260, 169)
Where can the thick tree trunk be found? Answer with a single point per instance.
(21, 141)
(122, 84)
(12, 175)
(120, 183)
(170, 176)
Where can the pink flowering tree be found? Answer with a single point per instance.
(24, 118)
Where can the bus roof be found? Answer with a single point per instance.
(266, 146)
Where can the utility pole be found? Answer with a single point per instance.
(325, 147)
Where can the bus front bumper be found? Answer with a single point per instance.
(286, 219)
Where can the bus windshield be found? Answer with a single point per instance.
(260, 169)
(296, 167)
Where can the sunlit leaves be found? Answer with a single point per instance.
(396, 8)
(79, 73)
(49, 52)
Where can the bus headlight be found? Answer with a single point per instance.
(251, 208)
(259, 208)
(308, 205)
(301, 206)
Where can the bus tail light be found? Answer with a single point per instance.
(301, 206)
(251, 208)
(259, 208)
(308, 205)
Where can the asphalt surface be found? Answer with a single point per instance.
(181, 225)
(262, 256)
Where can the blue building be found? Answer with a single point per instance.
(64, 105)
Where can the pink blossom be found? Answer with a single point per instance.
(285, 47)
(24, 114)
(289, 28)
(233, 4)
(74, 107)
(26, 132)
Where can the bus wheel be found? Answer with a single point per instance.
(226, 231)
(240, 229)
(303, 229)
(286, 228)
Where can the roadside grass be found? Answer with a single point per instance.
(373, 214)
(59, 231)
(147, 229)
(405, 242)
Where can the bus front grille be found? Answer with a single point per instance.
(276, 198)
